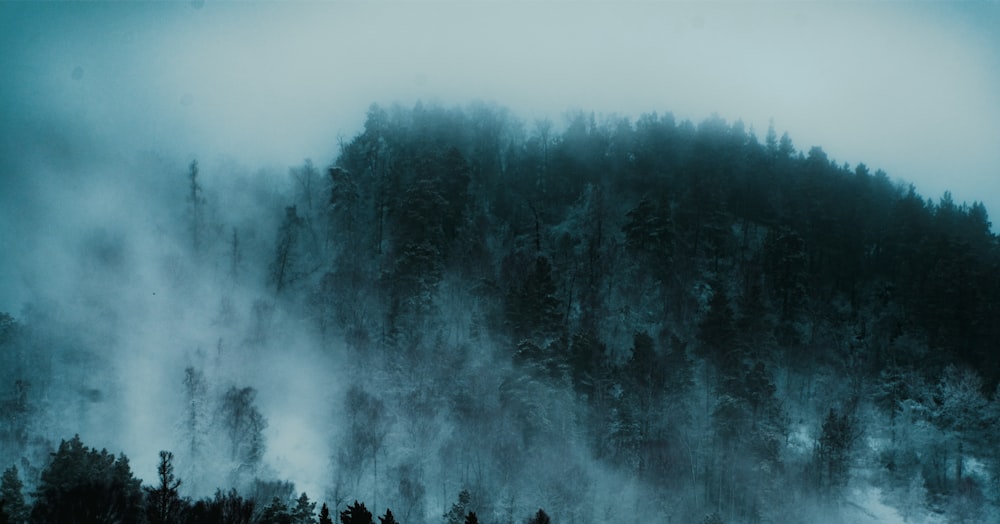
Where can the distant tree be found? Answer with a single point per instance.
(356, 514)
(387, 518)
(163, 502)
(235, 255)
(324, 515)
(540, 518)
(345, 201)
(961, 411)
(14, 508)
(288, 263)
(533, 309)
(86, 486)
(276, 513)
(366, 429)
(713, 518)
(785, 268)
(459, 510)
(196, 207)
(650, 231)
(832, 454)
(244, 427)
(16, 413)
(304, 511)
(197, 411)
(717, 331)
(223, 508)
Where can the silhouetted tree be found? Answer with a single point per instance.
(288, 264)
(244, 427)
(163, 502)
(387, 518)
(304, 511)
(86, 486)
(14, 508)
(356, 514)
(540, 518)
(276, 513)
(324, 515)
(196, 208)
(833, 450)
(458, 511)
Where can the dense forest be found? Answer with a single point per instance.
(474, 318)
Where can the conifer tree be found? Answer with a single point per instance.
(12, 497)
(387, 518)
(540, 518)
(356, 513)
(163, 503)
(303, 511)
(324, 515)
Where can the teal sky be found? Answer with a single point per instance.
(911, 88)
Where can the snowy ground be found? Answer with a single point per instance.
(865, 505)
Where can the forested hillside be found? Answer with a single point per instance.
(467, 316)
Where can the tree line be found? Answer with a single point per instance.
(744, 326)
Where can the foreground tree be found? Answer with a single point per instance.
(356, 513)
(164, 503)
(324, 515)
(86, 486)
(12, 505)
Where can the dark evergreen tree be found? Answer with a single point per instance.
(533, 309)
(86, 486)
(832, 454)
(717, 332)
(304, 511)
(458, 511)
(223, 508)
(14, 509)
(163, 502)
(196, 209)
(649, 232)
(540, 518)
(276, 513)
(289, 263)
(713, 518)
(387, 518)
(324, 515)
(356, 514)
(244, 427)
(471, 518)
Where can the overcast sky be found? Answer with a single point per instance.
(909, 88)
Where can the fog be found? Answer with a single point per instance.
(909, 89)
(105, 105)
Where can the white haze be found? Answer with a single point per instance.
(99, 100)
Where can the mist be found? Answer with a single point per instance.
(162, 163)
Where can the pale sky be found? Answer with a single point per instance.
(912, 88)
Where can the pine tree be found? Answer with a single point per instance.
(387, 518)
(540, 518)
(712, 518)
(303, 511)
(324, 515)
(356, 513)
(12, 497)
(458, 511)
(87, 486)
(196, 201)
(163, 503)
